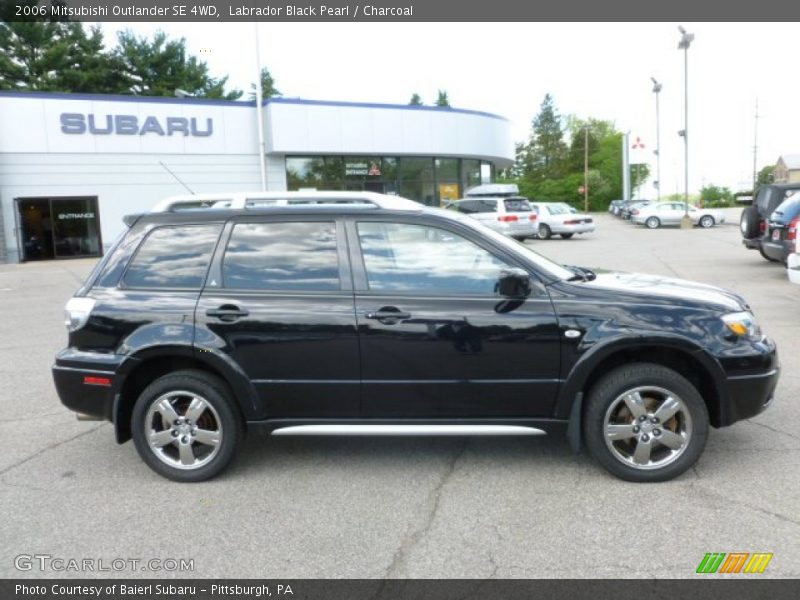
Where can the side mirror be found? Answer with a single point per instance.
(514, 283)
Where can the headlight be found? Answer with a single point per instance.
(743, 324)
(77, 312)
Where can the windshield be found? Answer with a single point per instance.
(557, 209)
(517, 205)
(552, 268)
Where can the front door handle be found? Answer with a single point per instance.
(227, 312)
(388, 315)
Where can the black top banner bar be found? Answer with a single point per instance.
(398, 10)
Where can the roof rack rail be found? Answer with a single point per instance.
(259, 200)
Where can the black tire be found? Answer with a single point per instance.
(652, 223)
(748, 223)
(706, 221)
(222, 417)
(607, 394)
(765, 256)
(566, 236)
(545, 233)
(519, 238)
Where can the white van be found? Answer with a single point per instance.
(511, 216)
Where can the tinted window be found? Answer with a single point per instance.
(420, 259)
(282, 256)
(517, 205)
(173, 257)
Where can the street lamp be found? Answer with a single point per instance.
(686, 40)
(657, 90)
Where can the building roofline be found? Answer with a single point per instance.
(240, 103)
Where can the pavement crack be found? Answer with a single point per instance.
(432, 507)
(48, 448)
(765, 426)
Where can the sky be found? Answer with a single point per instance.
(599, 70)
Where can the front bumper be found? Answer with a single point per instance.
(750, 383)
(86, 381)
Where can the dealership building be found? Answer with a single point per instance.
(71, 165)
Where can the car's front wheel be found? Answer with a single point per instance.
(706, 221)
(645, 422)
(185, 427)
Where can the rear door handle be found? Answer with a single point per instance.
(227, 312)
(389, 315)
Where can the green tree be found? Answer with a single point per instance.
(159, 66)
(54, 56)
(442, 99)
(547, 149)
(714, 195)
(766, 175)
(415, 100)
(268, 89)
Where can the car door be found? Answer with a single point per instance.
(436, 339)
(278, 301)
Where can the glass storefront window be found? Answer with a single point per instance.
(416, 169)
(471, 173)
(447, 169)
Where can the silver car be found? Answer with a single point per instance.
(559, 218)
(657, 214)
(511, 216)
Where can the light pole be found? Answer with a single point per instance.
(260, 114)
(686, 40)
(586, 169)
(657, 90)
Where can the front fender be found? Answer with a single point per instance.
(569, 404)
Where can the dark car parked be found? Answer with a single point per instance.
(755, 218)
(329, 313)
(780, 237)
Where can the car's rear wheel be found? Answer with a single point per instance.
(566, 236)
(653, 223)
(645, 422)
(748, 223)
(706, 221)
(185, 427)
(545, 233)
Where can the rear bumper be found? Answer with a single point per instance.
(581, 228)
(86, 382)
(752, 244)
(777, 250)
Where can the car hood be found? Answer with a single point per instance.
(668, 288)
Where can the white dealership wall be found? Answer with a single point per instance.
(39, 157)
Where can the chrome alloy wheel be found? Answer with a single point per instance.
(647, 427)
(183, 430)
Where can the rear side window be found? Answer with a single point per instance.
(282, 256)
(517, 205)
(477, 206)
(173, 257)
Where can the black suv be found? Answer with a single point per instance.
(330, 313)
(754, 222)
(780, 237)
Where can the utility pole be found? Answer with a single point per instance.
(260, 115)
(657, 90)
(626, 168)
(686, 40)
(586, 169)
(755, 152)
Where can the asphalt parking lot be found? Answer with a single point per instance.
(404, 507)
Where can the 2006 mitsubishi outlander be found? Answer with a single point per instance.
(335, 312)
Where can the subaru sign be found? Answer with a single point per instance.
(78, 123)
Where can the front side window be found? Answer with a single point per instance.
(401, 257)
(282, 256)
(173, 257)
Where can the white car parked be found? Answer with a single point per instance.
(657, 214)
(560, 219)
(511, 216)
